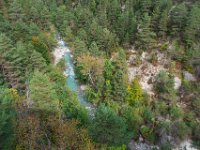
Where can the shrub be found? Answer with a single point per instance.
(196, 135)
(180, 130)
(196, 105)
(61, 65)
(164, 47)
(164, 86)
(148, 134)
(176, 112)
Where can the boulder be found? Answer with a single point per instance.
(188, 76)
(177, 81)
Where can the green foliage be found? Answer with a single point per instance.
(7, 119)
(192, 26)
(42, 48)
(92, 96)
(196, 135)
(147, 133)
(161, 108)
(126, 27)
(133, 119)
(108, 127)
(73, 110)
(108, 73)
(107, 41)
(61, 65)
(145, 37)
(176, 112)
(180, 129)
(15, 12)
(80, 48)
(18, 63)
(164, 85)
(43, 93)
(178, 17)
(123, 147)
(95, 31)
(196, 105)
(166, 147)
(119, 78)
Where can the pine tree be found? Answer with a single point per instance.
(80, 48)
(162, 24)
(8, 66)
(108, 73)
(108, 127)
(41, 47)
(43, 93)
(7, 120)
(119, 87)
(155, 17)
(107, 41)
(44, 18)
(126, 27)
(92, 5)
(164, 86)
(178, 19)
(15, 12)
(192, 31)
(145, 37)
(119, 79)
(113, 13)
(94, 49)
(145, 6)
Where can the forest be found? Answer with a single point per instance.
(109, 40)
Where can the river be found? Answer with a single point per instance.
(71, 81)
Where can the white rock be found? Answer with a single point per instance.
(186, 145)
(144, 55)
(65, 74)
(133, 51)
(59, 52)
(83, 87)
(188, 76)
(177, 81)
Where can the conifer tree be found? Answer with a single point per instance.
(145, 6)
(178, 18)
(43, 93)
(192, 31)
(7, 120)
(92, 5)
(119, 79)
(113, 13)
(15, 12)
(108, 127)
(8, 63)
(108, 73)
(162, 24)
(145, 37)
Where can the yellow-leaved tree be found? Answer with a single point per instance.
(135, 94)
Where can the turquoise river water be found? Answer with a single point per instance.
(71, 81)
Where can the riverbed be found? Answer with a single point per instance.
(63, 51)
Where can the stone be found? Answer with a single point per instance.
(178, 82)
(188, 76)
(83, 87)
(133, 145)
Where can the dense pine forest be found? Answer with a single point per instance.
(109, 40)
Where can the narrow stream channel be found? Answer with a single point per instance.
(71, 81)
